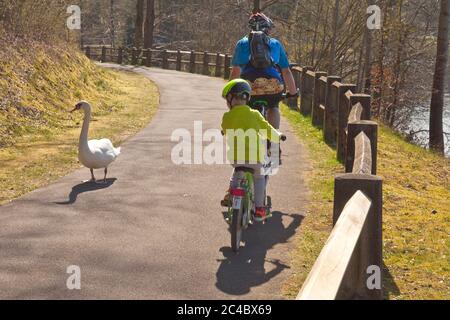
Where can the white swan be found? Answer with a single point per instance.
(94, 154)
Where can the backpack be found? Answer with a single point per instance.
(260, 57)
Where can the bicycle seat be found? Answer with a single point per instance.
(245, 169)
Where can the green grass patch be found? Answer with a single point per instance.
(416, 220)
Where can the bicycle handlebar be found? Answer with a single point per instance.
(287, 95)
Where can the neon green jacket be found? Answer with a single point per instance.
(247, 131)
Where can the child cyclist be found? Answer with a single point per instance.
(247, 132)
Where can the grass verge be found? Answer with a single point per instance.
(416, 219)
(317, 225)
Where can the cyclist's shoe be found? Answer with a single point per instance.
(261, 215)
(226, 202)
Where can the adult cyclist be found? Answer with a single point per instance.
(268, 80)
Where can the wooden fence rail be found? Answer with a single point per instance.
(355, 244)
(206, 63)
(325, 282)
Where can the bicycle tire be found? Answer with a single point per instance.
(236, 228)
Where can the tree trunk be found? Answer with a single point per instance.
(437, 99)
(368, 57)
(112, 24)
(149, 24)
(391, 112)
(360, 76)
(139, 23)
(256, 6)
(81, 3)
(381, 55)
(332, 62)
(316, 31)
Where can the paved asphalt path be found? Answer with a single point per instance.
(156, 230)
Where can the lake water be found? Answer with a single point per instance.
(420, 121)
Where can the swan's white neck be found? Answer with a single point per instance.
(85, 129)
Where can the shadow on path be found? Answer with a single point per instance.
(238, 273)
(86, 187)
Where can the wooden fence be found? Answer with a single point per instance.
(355, 244)
(352, 256)
(206, 63)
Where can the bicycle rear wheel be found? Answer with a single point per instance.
(237, 227)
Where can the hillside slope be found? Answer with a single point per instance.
(38, 85)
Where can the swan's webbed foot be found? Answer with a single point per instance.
(93, 180)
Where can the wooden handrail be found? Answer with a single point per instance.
(326, 279)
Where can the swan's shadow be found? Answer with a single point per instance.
(86, 187)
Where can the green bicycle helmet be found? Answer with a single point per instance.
(237, 87)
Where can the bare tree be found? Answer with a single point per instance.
(149, 25)
(138, 33)
(368, 56)
(332, 60)
(256, 6)
(437, 100)
(112, 24)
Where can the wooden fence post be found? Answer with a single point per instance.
(205, 64)
(370, 128)
(302, 77)
(365, 101)
(370, 246)
(297, 78)
(330, 118)
(302, 84)
(294, 103)
(218, 71)
(315, 112)
(134, 56)
(307, 92)
(165, 61)
(139, 55)
(148, 58)
(103, 54)
(88, 52)
(178, 60)
(192, 62)
(120, 56)
(343, 113)
(226, 73)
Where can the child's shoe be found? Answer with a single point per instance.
(261, 215)
(226, 202)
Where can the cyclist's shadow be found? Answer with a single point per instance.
(238, 273)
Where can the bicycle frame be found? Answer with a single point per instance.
(243, 193)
